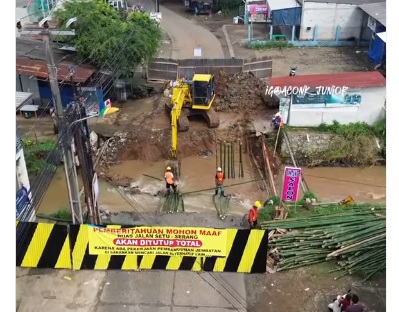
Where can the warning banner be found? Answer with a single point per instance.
(166, 241)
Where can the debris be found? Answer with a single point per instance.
(238, 93)
(67, 278)
(205, 153)
(107, 283)
(306, 289)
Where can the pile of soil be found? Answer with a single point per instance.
(238, 93)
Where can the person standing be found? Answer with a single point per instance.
(253, 215)
(170, 180)
(219, 180)
(355, 306)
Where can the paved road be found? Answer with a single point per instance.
(187, 36)
(115, 291)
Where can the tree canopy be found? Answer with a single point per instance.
(108, 39)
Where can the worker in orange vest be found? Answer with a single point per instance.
(170, 180)
(219, 180)
(253, 215)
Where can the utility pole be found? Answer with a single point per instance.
(69, 159)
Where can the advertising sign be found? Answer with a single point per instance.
(327, 99)
(166, 241)
(291, 181)
(257, 9)
(22, 200)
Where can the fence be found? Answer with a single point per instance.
(44, 245)
(169, 69)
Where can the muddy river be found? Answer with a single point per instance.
(329, 185)
(335, 183)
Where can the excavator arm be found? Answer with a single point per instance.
(181, 94)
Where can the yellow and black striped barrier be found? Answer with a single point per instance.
(43, 245)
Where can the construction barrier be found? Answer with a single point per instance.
(164, 69)
(44, 245)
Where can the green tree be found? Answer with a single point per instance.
(105, 38)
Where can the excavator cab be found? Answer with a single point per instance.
(203, 91)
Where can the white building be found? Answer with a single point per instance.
(327, 20)
(352, 97)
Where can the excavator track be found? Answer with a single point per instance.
(212, 118)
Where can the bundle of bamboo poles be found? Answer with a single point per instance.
(173, 202)
(225, 159)
(357, 238)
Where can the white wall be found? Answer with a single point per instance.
(369, 111)
(327, 16)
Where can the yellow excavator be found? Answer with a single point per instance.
(189, 98)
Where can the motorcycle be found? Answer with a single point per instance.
(336, 305)
(293, 71)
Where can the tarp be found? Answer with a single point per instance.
(377, 51)
(287, 17)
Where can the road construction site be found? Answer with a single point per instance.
(135, 157)
(132, 148)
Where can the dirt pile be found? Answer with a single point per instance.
(238, 93)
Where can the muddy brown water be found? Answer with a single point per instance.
(56, 196)
(331, 184)
(197, 176)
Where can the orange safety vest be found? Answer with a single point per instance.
(253, 215)
(169, 177)
(219, 178)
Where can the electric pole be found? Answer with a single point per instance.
(69, 159)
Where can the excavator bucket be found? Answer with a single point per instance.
(175, 165)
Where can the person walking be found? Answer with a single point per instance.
(219, 180)
(170, 180)
(253, 215)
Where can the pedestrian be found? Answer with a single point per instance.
(253, 215)
(340, 304)
(219, 180)
(170, 180)
(356, 306)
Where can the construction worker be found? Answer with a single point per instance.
(253, 215)
(219, 180)
(170, 180)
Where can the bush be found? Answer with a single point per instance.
(35, 153)
(262, 45)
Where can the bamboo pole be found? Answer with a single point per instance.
(233, 167)
(224, 157)
(221, 154)
(269, 170)
(235, 184)
(242, 166)
(228, 160)
(239, 158)
(216, 150)
(275, 145)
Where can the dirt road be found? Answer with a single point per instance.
(187, 36)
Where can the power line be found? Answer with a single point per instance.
(346, 181)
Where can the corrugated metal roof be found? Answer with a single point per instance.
(21, 98)
(275, 5)
(378, 11)
(355, 2)
(351, 80)
(34, 49)
(38, 68)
